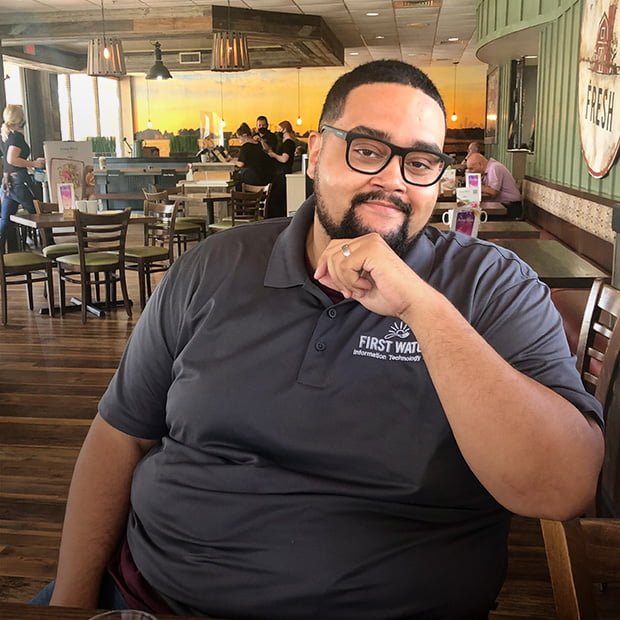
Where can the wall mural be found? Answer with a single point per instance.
(599, 85)
(178, 107)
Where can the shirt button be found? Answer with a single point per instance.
(320, 346)
(331, 313)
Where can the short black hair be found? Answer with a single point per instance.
(377, 71)
(262, 118)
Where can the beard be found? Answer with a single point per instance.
(351, 225)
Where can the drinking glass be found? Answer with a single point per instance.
(124, 614)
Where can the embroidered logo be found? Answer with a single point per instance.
(395, 346)
(398, 330)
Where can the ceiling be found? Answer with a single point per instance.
(417, 31)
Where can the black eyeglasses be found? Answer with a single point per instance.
(370, 155)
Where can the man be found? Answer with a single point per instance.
(472, 147)
(264, 135)
(497, 183)
(334, 416)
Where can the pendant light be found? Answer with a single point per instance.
(222, 121)
(158, 71)
(105, 55)
(149, 123)
(230, 50)
(454, 116)
(299, 121)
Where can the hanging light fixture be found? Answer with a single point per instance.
(299, 121)
(158, 71)
(454, 116)
(222, 121)
(230, 50)
(105, 55)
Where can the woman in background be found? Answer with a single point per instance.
(16, 182)
(285, 155)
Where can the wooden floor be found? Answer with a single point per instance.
(52, 374)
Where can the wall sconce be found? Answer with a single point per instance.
(230, 50)
(105, 55)
(158, 71)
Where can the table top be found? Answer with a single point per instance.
(205, 197)
(23, 611)
(508, 229)
(555, 264)
(60, 220)
(492, 207)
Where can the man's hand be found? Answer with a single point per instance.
(369, 271)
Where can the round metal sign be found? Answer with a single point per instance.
(599, 85)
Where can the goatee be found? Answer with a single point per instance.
(352, 226)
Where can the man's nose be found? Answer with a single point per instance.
(391, 177)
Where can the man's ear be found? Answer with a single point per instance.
(314, 146)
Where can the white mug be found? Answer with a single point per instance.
(464, 219)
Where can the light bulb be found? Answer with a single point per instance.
(223, 123)
(149, 124)
(299, 121)
(106, 53)
(454, 117)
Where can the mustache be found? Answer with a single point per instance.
(398, 202)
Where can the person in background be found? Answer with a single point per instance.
(264, 135)
(333, 416)
(472, 147)
(285, 153)
(255, 166)
(498, 185)
(284, 156)
(17, 184)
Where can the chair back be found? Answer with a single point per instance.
(266, 191)
(599, 339)
(158, 196)
(581, 553)
(598, 362)
(245, 206)
(101, 232)
(51, 236)
(161, 231)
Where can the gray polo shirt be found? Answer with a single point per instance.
(306, 468)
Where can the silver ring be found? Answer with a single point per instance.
(346, 250)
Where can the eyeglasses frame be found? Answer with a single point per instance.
(349, 136)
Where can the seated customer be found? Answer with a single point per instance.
(255, 166)
(333, 416)
(498, 185)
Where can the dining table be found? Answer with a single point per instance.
(62, 219)
(65, 220)
(209, 198)
(501, 229)
(24, 611)
(491, 208)
(556, 265)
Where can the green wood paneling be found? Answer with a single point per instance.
(557, 157)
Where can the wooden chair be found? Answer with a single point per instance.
(264, 204)
(186, 228)
(599, 339)
(582, 553)
(25, 268)
(244, 207)
(157, 253)
(55, 241)
(598, 361)
(101, 241)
